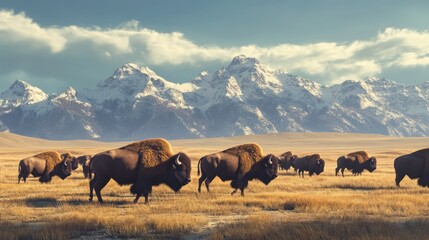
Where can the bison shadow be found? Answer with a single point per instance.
(80, 202)
(359, 188)
(52, 202)
(41, 202)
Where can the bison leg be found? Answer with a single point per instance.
(342, 171)
(208, 181)
(146, 197)
(233, 192)
(91, 188)
(336, 171)
(138, 195)
(45, 178)
(399, 178)
(201, 180)
(242, 191)
(98, 185)
(145, 190)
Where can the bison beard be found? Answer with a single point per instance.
(175, 177)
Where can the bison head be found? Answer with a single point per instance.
(319, 166)
(266, 169)
(179, 171)
(63, 170)
(371, 164)
(82, 159)
(74, 161)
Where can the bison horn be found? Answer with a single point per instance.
(269, 161)
(65, 163)
(178, 162)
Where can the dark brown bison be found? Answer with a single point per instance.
(356, 162)
(143, 164)
(311, 163)
(45, 165)
(287, 160)
(72, 159)
(84, 161)
(414, 165)
(239, 164)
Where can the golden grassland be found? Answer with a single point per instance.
(325, 206)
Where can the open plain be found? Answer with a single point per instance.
(324, 207)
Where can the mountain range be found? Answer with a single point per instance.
(246, 97)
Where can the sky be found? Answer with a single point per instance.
(56, 44)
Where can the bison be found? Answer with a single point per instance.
(311, 163)
(143, 164)
(84, 161)
(414, 165)
(45, 165)
(357, 162)
(287, 160)
(239, 164)
(73, 160)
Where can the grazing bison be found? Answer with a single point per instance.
(45, 165)
(357, 162)
(311, 163)
(84, 161)
(143, 164)
(239, 164)
(414, 165)
(287, 160)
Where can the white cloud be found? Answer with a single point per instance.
(19, 28)
(328, 62)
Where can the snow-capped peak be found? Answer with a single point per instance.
(68, 94)
(20, 92)
(130, 74)
(243, 60)
(129, 69)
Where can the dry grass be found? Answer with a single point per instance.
(269, 227)
(325, 206)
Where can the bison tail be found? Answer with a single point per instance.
(199, 166)
(90, 167)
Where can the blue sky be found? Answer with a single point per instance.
(55, 44)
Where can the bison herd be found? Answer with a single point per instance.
(151, 162)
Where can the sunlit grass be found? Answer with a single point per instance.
(61, 210)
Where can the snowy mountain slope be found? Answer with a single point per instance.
(245, 97)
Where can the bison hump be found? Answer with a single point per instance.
(286, 154)
(360, 156)
(250, 149)
(153, 151)
(248, 154)
(52, 158)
